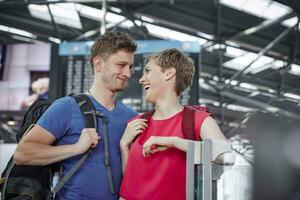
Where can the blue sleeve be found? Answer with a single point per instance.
(57, 118)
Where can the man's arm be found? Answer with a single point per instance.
(36, 148)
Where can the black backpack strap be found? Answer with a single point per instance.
(12, 164)
(90, 117)
(188, 123)
(88, 110)
(106, 154)
(70, 173)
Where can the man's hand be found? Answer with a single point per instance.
(133, 129)
(89, 138)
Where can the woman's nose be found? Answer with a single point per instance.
(142, 80)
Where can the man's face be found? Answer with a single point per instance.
(117, 70)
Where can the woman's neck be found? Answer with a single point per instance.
(165, 109)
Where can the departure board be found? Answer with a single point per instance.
(78, 77)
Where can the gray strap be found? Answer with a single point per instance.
(70, 173)
(106, 155)
(6, 179)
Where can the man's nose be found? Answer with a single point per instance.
(127, 72)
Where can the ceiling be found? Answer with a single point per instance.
(219, 25)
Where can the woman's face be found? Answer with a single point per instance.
(152, 81)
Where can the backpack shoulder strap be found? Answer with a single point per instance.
(147, 115)
(188, 123)
(87, 109)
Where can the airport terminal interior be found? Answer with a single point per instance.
(247, 59)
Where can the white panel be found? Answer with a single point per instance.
(18, 55)
(6, 151)
(4, 95)
(39, 56)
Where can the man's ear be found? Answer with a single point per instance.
(170, 73)
(98, 63)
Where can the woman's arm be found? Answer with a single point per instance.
(209, 130)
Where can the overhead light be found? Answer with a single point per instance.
(56, 40)
(127, 24)
(215, 103)
(17, 31)
(201, 80)
(256, 7)
(272, 91)
(277, 64)
(233, 44)
(276, 10)
(239, 108)
(248, 86)
(117, 10)
(216, 78)
(147, 19)
(295, 69)
(292, 96)
(233, 124)
(255, 93)
(234, 82)
(97, 14)
(272, 109)
(261, 8)
(234, 52)
(239, 63)
(237, 4)
(63, 13)
(11, 123)
(212, 82)
(166, 33)
(138, 22)
(205, 101)
(205, 35)
(290, 22)
(24, 39)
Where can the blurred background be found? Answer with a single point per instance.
(247, 59)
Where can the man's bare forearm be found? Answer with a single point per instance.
(33, 153)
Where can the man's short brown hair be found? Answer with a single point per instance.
(111, 42)
(183, 65)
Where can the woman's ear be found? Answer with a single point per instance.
(170, 73)
(98, 63)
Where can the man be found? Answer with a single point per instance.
(60, 134)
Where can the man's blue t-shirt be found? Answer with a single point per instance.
(65, 121)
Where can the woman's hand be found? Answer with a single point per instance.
(133, 129)
(158, 143)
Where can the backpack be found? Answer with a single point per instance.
(188, 120)
(24, 182)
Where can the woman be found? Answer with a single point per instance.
(153, 152)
